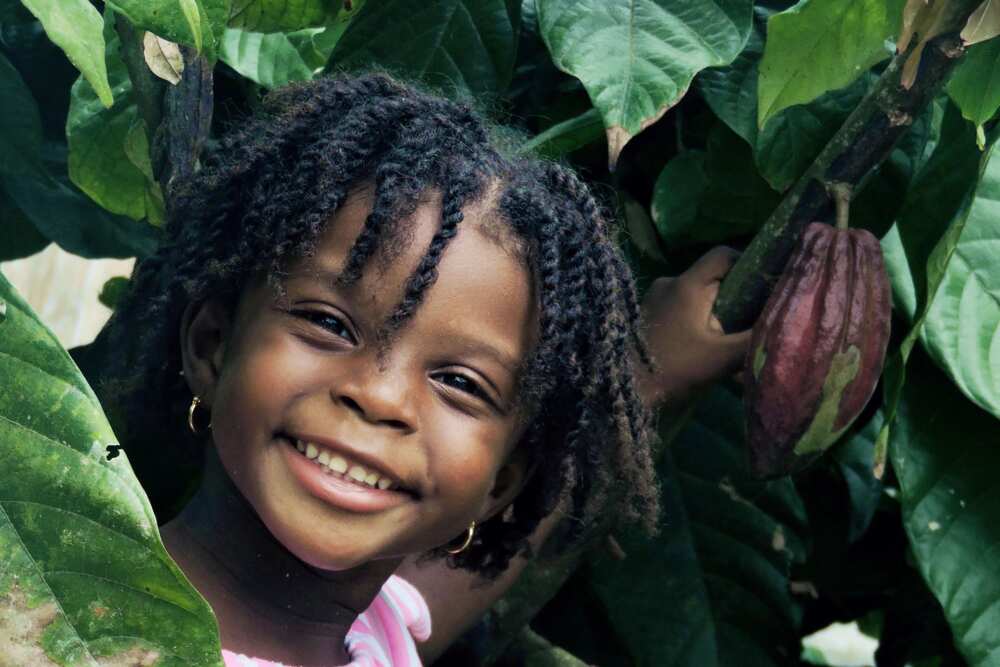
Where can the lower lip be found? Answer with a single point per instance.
(335, 491)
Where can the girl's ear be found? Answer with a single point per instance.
(509, 481)
(205, 329)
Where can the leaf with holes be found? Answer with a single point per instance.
(280, 15)
(84, 578)
(962, 329)
(636, 58)
(821, 45)
(945, 454)
(460, 44)
(722, 559)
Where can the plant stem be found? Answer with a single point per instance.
(841, 193)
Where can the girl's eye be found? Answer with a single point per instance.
(327, 321)
(464, 383)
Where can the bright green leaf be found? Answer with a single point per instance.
(460, 44)
(195, 23)
(637, 58)
(945, 455)
(83, 572)
(822, 45)
(712, 588)
(270, 59)
(975, 85)
(76, 27)
(281, 15)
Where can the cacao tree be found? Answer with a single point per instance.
(701, 122)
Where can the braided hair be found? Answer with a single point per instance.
(265, 194)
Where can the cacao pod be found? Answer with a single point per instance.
(817, 350)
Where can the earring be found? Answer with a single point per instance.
(467, 542)
(195, 402)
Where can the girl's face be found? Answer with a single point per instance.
(431, 418)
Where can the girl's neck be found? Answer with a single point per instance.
(268, 602)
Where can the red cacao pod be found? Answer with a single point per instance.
(817, 350)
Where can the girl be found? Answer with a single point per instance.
(389, 336)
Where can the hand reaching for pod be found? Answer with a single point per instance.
(685, 339)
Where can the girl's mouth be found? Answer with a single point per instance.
(337, 481)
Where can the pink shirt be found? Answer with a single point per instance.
(382, 636)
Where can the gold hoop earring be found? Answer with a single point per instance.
(467, 542)
(195, 402)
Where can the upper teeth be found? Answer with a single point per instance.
(340, 465)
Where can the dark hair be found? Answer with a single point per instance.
(264, 195)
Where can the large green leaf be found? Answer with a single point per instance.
(713, 196)
(280, 15)
(270, 59)
(465, 44)
(712, 588)
(98, 162)
(855, 458)
(84, 578)
(77, 28)
(731, 91)
(975, 85)
(196, 23)
(637, 58)
(945, 453)
(962, 329)
(822, 45)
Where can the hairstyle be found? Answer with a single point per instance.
(275, 180)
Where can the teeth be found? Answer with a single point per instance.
(339, 465)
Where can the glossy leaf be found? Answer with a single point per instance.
(945, 454)
(567, 136)
(270, 59)
(975, 85)
(76, 27)
(280, 15)
(195, 23)
(711, 589)
(962, 329)
(637, 58)
(821, 45)
(731, 91)
(83, 573)
(459, 44)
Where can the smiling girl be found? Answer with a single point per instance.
(391, 337)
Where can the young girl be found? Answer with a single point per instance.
(389, 336)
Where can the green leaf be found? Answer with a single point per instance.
(113, 290)
(790, 142)
(962, 326)
(567, 136)
(945, 456)
(20, 237)
(855, 458)
(280, 15)
(975, 85)
(195, 23)
(20, 123)
(822, 45)
(711, 197)
(76, 27)
(637, 58)
(98, 163)
(270, 59)
(83, 573)
(731, 91)
(712, 588)
(462, 44)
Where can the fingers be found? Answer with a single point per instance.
(714, 264)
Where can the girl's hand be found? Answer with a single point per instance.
(685, 339)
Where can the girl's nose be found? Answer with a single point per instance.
(378, 395)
